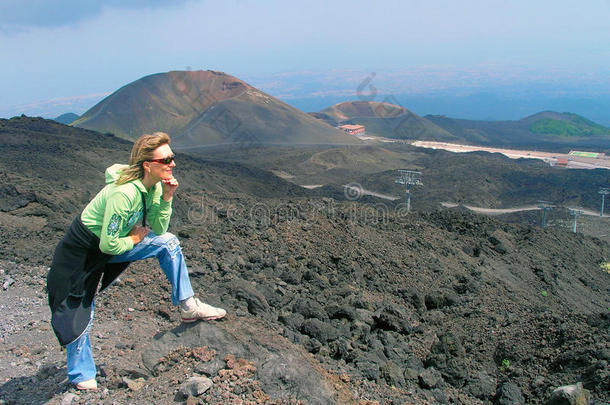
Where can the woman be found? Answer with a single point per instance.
(104, 239)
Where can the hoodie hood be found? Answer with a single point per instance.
(114, 172)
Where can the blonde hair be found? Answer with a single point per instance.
(142, 151)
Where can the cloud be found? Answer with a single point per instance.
(16, 16)
(54, 107)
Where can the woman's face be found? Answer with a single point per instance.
(159, 170)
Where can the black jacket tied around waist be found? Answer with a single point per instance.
(77, 268)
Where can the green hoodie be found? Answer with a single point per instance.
(116, 209)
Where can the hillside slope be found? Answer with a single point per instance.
(205, 107)
(66, 118)
(328, 302)
(546, 130)
(383, 119)
(478, 178)
(65, 165)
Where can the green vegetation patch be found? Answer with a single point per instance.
(584, 154)
(576, 126)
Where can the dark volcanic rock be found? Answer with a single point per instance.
(482, 386)
(292, 320)
(448, 356)
(243, 290)
(430, 378)
(465, 293)
(11, 199)
(309, 309)
(509, 394)
(280, 367)
(195, 386)
(440, 299)
(569, 395)
(392, 318)
(392, 374)
(335, 311)
(322, 331)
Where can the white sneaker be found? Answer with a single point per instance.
(87, 385)
(201, 311)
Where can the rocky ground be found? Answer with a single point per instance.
(328, 302)
(431, 308)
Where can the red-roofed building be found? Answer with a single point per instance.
(562, 162)
(352, 129)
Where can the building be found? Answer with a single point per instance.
(352, 129)
(562, 162)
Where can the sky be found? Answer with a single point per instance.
(66, 55)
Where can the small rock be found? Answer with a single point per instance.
(164, 313)
(430, 378)
(392, 374)
(7, 283)
(482, 386)
(291, 276)
(210, 368)
(68, 398)
(569, 395)
(134, 385)
(440, 396)
(335, 311)
(538, 381)
(244, 291)
(134, 373)
(309, 309)
(509, 394)
(322, 331)
(292, 320)
(392, 319)
(195, 386)
(370, 370)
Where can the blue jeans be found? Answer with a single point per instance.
(166, 248)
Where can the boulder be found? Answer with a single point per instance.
(335, 311)
(449, 357)
(414, 367)
(393, 319)
(282, 367)
(509, 394)
(569, 395)
(210, 368)
(12, 199)
(292, 320)
(392, 374)
(195, 386)
(322, 331)
(245, 291)
(482, 386)
(430, 378)
(309, 309)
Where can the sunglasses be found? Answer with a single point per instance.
(164, 161)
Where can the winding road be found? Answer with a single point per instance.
(499, 211)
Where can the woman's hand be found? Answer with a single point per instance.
(169, 186)
(138, 233)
